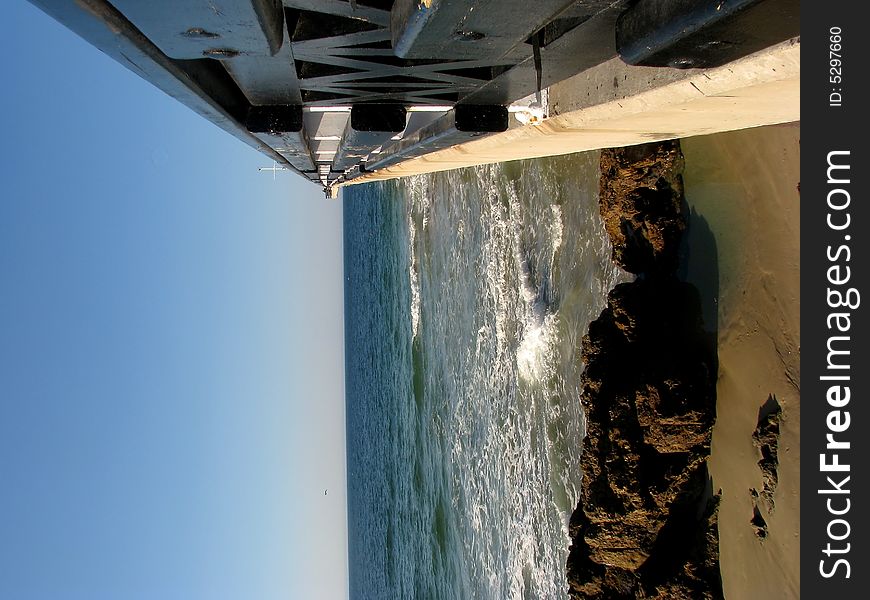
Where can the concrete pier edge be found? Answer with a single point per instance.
(615, 104)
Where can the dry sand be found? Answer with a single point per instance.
(743, 190)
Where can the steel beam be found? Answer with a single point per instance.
(370, 126)
(280, 127)
(189, 29)
(201, 85)
(343, 8)
(463, 123)
(586, 43)
(267, 79)
(702, 33)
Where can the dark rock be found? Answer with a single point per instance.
(766, 439)
(640, 198)
(758, 522)
(646, 523)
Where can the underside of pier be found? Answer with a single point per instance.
(344, 91)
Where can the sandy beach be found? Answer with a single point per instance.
(743, 192)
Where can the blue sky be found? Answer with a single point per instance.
(171, 345)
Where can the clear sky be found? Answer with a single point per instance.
(171, 345)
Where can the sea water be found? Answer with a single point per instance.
(467, 294)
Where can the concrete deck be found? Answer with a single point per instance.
(614, 104)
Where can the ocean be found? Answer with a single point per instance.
(467, 294)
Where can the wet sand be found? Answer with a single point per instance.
(744, 255)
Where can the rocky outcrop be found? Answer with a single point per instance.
(645, 525)
(640, 196)
(766, 439)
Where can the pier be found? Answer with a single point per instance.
(343, 92)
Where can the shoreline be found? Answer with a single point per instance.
(744, 186)
(741, 251)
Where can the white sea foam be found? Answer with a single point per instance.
(413, 267)
(418, 202)
(535, 353)
(555, 229)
